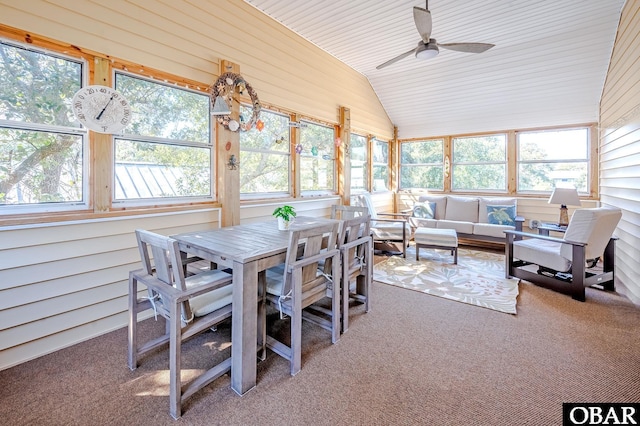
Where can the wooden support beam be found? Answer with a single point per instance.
(294, 135)
(101, 148)
(343, 163)
(228, 144)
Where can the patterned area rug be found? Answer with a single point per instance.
(478, 278)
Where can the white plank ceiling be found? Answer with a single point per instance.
(547, 68)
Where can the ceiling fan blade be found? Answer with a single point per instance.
(396, 59)
(467, 47)
(422, 18)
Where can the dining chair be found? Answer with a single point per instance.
(356, 256)
(347, 212)
(189, 305)
(356, 253)
(299, 283)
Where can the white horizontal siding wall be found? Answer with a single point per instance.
(620, 147)
(320, 207)
(64, 283)
(190, 38)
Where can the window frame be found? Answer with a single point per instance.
(504, 162)
(588, 159)
(416, 165)
(245, 196)
(317, 192)
(209, 145)
(373, 141)
(365, 163)
(54, 207)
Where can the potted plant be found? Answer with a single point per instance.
(285, 215)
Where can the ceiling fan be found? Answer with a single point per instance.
(427, 46)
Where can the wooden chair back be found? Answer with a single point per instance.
(304, 244)
(352, 230)
(166, 266)
(348, 212)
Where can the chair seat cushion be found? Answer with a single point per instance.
(275, 280)
(389, 230)
(213, 300)
(541, 252)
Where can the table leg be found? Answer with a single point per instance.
(244, 332)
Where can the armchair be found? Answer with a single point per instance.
(560, 263)
(393, 230)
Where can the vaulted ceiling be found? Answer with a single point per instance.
(547, 68)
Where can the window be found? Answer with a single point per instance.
(422, 164)
(265, 156)
(380, 171)
(358, 161)
(43, 150)
(479, 163)
(166, 151)
(317, 159)
(552, 157)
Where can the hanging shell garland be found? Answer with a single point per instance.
(225, 86)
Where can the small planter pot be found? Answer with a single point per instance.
(283, 225)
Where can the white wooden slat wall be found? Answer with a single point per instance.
(66, 282)
(320, 207)
(189, 38)
(620, 148)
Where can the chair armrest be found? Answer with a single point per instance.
(389, 220)
(404, 215)
(313, 259)
(361, 240)
(519, 220)
(544, 237)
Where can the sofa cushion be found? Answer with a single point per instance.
(493, 201)
(441, 203)
(461, 227)
(462, 209)
(488, 230)
(425, 210)
(501, 215)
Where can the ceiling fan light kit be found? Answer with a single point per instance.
(428, 47)
(427, 51)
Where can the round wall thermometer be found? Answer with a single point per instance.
(101, 108)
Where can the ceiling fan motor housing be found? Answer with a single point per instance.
(427, 50)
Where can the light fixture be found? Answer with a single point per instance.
(565, 197)
(427, 51)
(220, 107)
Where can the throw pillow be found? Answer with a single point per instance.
(424, 210)
(502, 215)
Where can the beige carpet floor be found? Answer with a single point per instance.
(411, 360)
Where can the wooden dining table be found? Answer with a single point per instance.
(247, 250)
